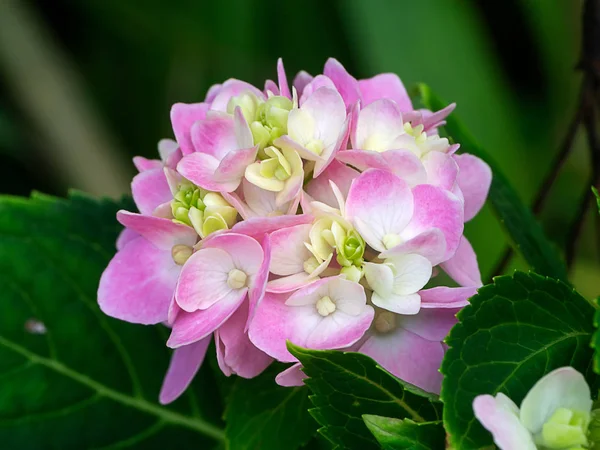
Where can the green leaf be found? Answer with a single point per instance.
(261, 415)
(397, 434)
(596, 338)
(72, 377)
(597, 195)
(525, 232)
(348, 385)
(514, 332)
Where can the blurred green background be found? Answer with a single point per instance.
(86, 85)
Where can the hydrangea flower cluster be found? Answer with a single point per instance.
(319, 214)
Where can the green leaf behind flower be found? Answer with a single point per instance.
(73, 378)
(515, 331)
(405, 434)
(261, 415)
(597, 195)
(347, 386)
(523, 229)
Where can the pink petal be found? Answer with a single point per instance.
(150, 189)
(436, 208)
(163, 233)
(183, 116)
(474, 180)
(344, 82)
(407, 356)
(192, 327)
(142, 164)
(259, 282)
(431, 244)
(203, 280)
(498, 415)
(233, 88)
(292, 376)
(290, 283)
(184, 365)
(168, 149)
(271, 86)
(463, 267)
(441, 169)
(215, 136)
(315, 83)
(379, 203)
(138, 283)
(301, 79)
(257, 227)
(319, 188)
(432, 120)
(200, 169)
(446, 297)
(284, 88)
(385, 85)
(326, 106)
(213, 91)
(235, 353)
(125, 237)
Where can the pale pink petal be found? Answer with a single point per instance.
(292, 376)
(431, 244)
(235, 353)
(168, 149)
(441, 169)
(431, 324)
(233, 165)
(142, 164)
(163, 233)
(191, 327)
(326, 107)
(378, 125)
(203, 279)
(344, 82)
(432, 120)
(315, 83)
(288, 250)
(290, 283)
(173, 312)
(385, 85)
(245, 252)
(257, 227)
(183, 116)
(184, 364)
(474, 180)
(150, 189)
(301, 80)
(271, 86)
(463, 266)
(125, 237)
(330, 152)
(200, 168)
(319, 188)
(436, 208)
(233, 88)
(286, 143)
(138, 283)
(498, 416)
(446, 297)
(379, 203)
(407, 356)
(284, 88)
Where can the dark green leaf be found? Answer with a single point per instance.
(514, 332)
(597, 195)
(405, 434)
(348, 385)
(525, 232)
(596, 338)
(262, 415)
(71, 377)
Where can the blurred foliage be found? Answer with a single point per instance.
(510, 67)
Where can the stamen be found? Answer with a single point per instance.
(181, 253)
(325, 306)
(237, 279)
